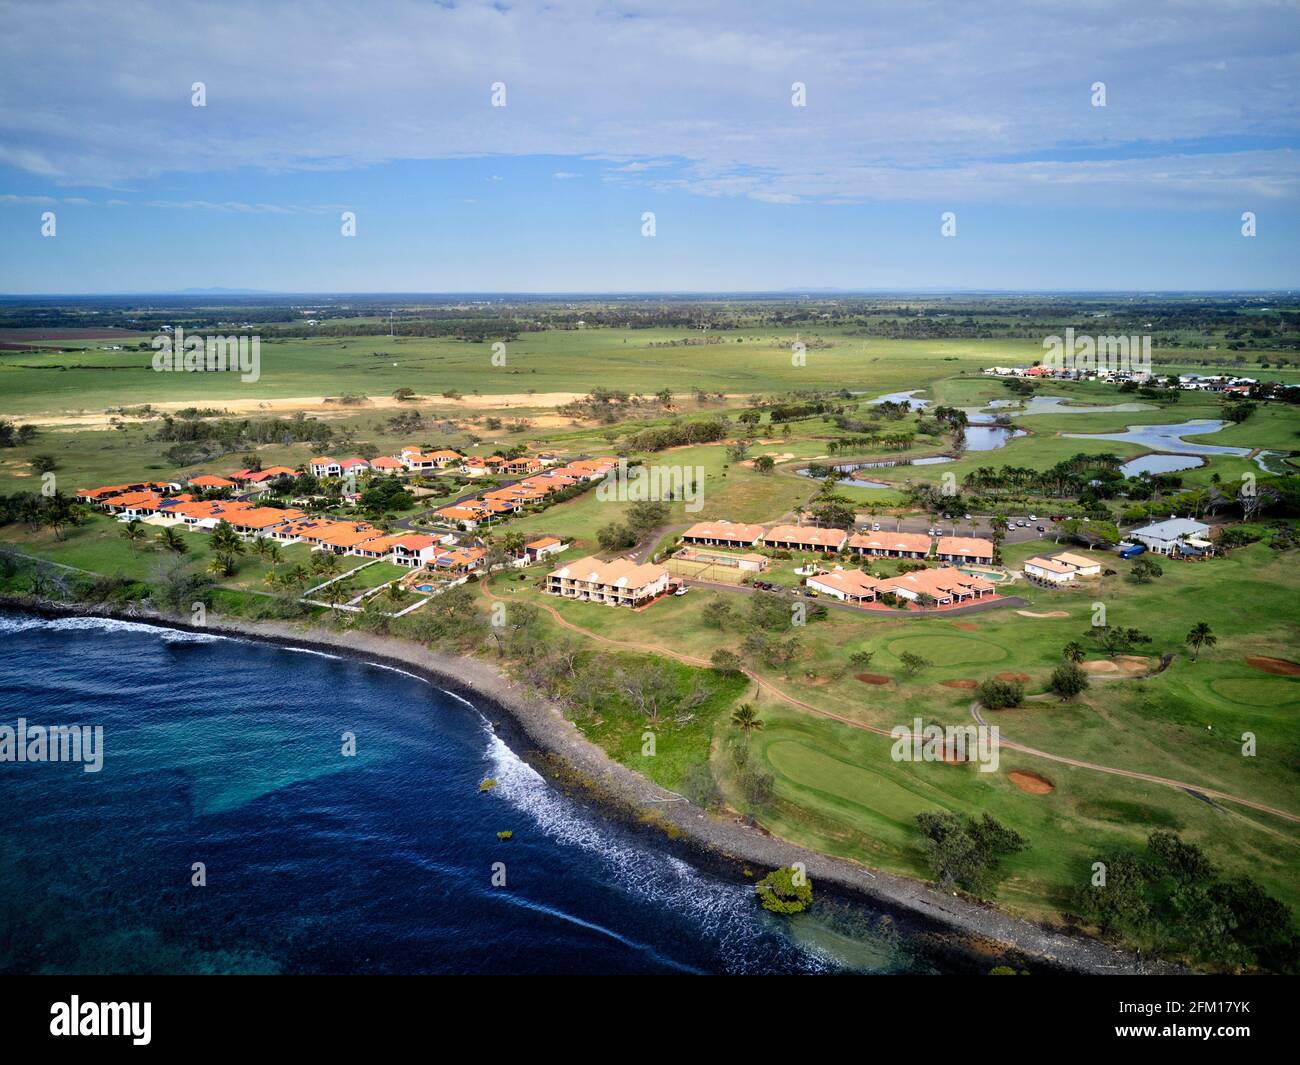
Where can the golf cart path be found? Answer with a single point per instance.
(768, 686)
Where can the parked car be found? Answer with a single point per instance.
(875, 526)
(1042, 529)
(1032, 517)
(680, 590)
(969, 518)
(1011, 526)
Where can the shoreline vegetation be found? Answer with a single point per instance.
(538, 731)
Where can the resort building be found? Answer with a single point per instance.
(324, 466)
(354, 465)
(467, 516)
(481, 466)
(847, 585)
(386, 465)
(1083, 565)
(890, 545)
(618, 583)
(207, 480)
(535, 550)
(1051, 570)
(945, 585)
(723, 534)
(965, 550)
(805, 538)
(258, 521)
(1177, 536)
(459, 560)
(415, 459)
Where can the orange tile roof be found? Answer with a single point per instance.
(207, 480)
(725, 530)
(806, 534)
(890, 541)
(965, 545)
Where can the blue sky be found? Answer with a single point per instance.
(385, 109)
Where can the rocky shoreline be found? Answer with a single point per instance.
(957, 925)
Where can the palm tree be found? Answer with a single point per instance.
(222, 564)
(334, 594)
(745, 717)
(134, 532)
(272, 580)
(169, 539)
(1073, 652)
(1201, 636)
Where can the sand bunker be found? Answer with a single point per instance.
(1279, 667)
(963, 684)
(872, 678)
(1126, 665)
(1049, 614)
(1030, 783)
(1022, 678)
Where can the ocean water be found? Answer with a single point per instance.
(228, 753)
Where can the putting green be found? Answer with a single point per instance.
(950, 650)
(1256, 691)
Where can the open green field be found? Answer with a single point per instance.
(836, 786)
(745, 361)
(839, 790)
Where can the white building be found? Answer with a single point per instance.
(1170, 537)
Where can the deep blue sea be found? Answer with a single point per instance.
(228, 753)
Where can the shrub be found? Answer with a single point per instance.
(1001, 694)
(785, 890)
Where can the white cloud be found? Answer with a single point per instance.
(923, 99)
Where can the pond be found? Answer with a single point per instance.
(902, 397)
(1055, 405)
(990, 437)
(1160, 464)
(1170, 437)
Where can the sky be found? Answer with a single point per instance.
(690, 111)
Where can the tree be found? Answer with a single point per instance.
(967, 852)
(615, 537)
(785, 890)
(1073, 651)
(1145, 570)
(725, 661)
(176, 587)
(171, 540)
(764, 464)
(1201, 636)
(646, 515)
(226, 545)
(134, 532)
(1001, 694)
(335, 593)
(913, 663)
(745, 717)
(1068, 680)
(716, 613)
(861, 659)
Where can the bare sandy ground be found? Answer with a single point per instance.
(522, 401)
